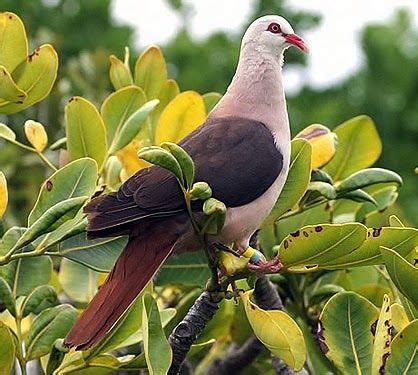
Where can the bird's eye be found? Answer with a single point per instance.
(274, 28)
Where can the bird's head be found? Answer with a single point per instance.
(273, 34)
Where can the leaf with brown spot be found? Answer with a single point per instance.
(383, 337)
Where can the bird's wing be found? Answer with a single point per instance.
(237, 157)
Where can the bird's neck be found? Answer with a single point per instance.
(256, 91)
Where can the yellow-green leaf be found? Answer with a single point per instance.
(297, 180)
(278, 332)
(323, 143)
(181, 116)
(13, 41)
(7, 350)
(399, 318)
(382, 337)
(9, 92)
(36, 135)
(86, 133)
(403, 274)
(76, 179)
(132, 126)
(359, 146)
(400, 239)
(158, 156)
(4, 196)
(120, 74)
(118, 106)
(315, 245)
(211, 99)
(157, 350)
(77, 281)
(168, 92)
(404, 356)
(151, 71)
(346, 332)
(51, 219)
(7, 133)
(35, 76)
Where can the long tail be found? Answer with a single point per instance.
(137, 264)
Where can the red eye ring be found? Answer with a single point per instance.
(274, 28)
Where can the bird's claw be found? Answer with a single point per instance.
(266, 266)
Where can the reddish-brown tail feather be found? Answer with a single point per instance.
(137, 264)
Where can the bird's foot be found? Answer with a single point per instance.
(258, 262)
(266, 266)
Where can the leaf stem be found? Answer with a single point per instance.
(35, 151)
(21, 357)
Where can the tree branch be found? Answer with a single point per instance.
(186, 332)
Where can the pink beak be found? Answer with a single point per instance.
(297, 41)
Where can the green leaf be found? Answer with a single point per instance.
(9, 92)
(51, 219)
(14, 43)
(119, 106)
(211, 99)
(278, 332)
(50, 325)
(77, 281)
(7, 133)
(296, 183)
(367, 177)
(76, 179)
(324, 189)
(200, 190)
(394, 221)
(358, 196)
(56, 356)
(401, 240)
(410, 310)
(404, 357)
(132, 126)
(99, 254)
(7, 348)
(86, 133)
(60, 144)
(151, 71)
(384, 197)
(42, 296)
(383, 337)
(359, 146)
(129, 323)
(157, 350)
(186, 268)
(403, 274)
(35, 76)
(158, 156)
(23, 275)
(184, 160)
(120, 74)
(313, 246)
(320, 175)
(215, 212)
(345, 332)
(6, 296)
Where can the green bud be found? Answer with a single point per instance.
(200, 190)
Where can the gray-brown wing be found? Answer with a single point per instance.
(237, 157)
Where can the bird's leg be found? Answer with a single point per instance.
(257, 261)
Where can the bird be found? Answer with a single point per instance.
(242, 151)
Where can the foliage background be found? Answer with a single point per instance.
(385, 86)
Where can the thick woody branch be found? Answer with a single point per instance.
(187, 331)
